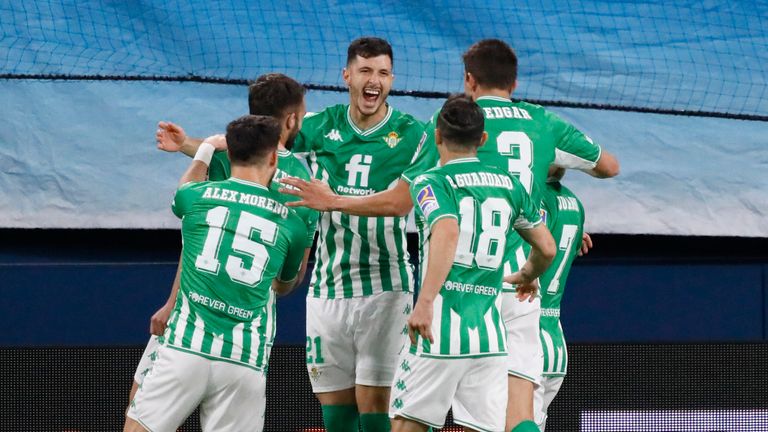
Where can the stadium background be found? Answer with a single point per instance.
(666, 318)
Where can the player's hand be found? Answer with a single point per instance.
(316, 194)
(525, 289)
(159, 320)
(169, 136)
(586, 244)
(218, 141)
(420, 322)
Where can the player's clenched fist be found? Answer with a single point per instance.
(420, 322)
(169, 136)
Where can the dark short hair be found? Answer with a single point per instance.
(367, 47)
(274, 94)
(250, 138)
(461, 122)
(492, 62)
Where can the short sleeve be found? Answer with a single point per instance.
(573, 149)
(433, 199)
(529, 214)
(183, 199)
(425, 157)
(296, 245)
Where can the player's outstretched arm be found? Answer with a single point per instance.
(159, 319)
(607, 166)
(543, 250)
(442, 251)
(319, 196)
(171, 137)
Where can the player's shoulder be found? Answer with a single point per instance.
(405, 123)
(192, 188)
(293, 165)
(328, 114)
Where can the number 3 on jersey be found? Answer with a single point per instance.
(520, 161)
(208, 261)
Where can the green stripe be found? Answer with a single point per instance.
(463, 338)
(318, 262)
(262, 337)
(226, 348)
(402, 256)
(189, 331)
(365, 255)
(482, 332)
(207, 342)
(247, 344)
(500, 329)
(445, 329)
(384, 273)
(345, 265)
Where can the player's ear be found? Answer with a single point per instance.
(290, 121)
(483, 139)
(438, 137)
(345, 75)
(273, 158)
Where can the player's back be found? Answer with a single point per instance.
(238, 237)
(564, 215)
(488, 204)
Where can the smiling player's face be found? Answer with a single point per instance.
(369, 81)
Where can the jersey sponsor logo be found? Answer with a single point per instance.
(334, 135)
(392, 139)
(427, 200)
(359, 167)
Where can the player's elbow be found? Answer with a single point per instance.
(548, 248)
(607, 166)
(402, 208)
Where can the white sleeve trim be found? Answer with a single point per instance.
(569, 160)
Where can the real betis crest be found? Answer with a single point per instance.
(392, 139)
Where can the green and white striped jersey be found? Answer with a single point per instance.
(564, 216)
(524, 139)
(238, 238)
(489, 204)
(359, 256)
(288, 165)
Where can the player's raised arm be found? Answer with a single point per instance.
(171, 137)
(198, 169)
(316, 194)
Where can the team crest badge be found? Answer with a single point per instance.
(315, 373)
(392, 139)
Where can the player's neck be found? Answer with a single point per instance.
(363, 121)
(447, 156)
(253, 174)
(482, 91)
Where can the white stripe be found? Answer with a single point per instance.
(494, 98)
(373, 255)
(269, 331)
(455, 346)
(424, 238)
(570, 160)
(323, 260)
(389, 239)
(371, 129)
(550, 351)
(255, 342)
(559, 367)
(181, 322)
(437, 322)
(217, 345)
(338, 240)
(406, 257)
(565, 348)
(197, 336)
(237, 342)
(354, 257)
(493, 335)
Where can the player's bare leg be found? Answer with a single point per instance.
(340, 412)
(134, 389)
(373, 404)
(132, 425)
(400, 424)
(519, 401)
